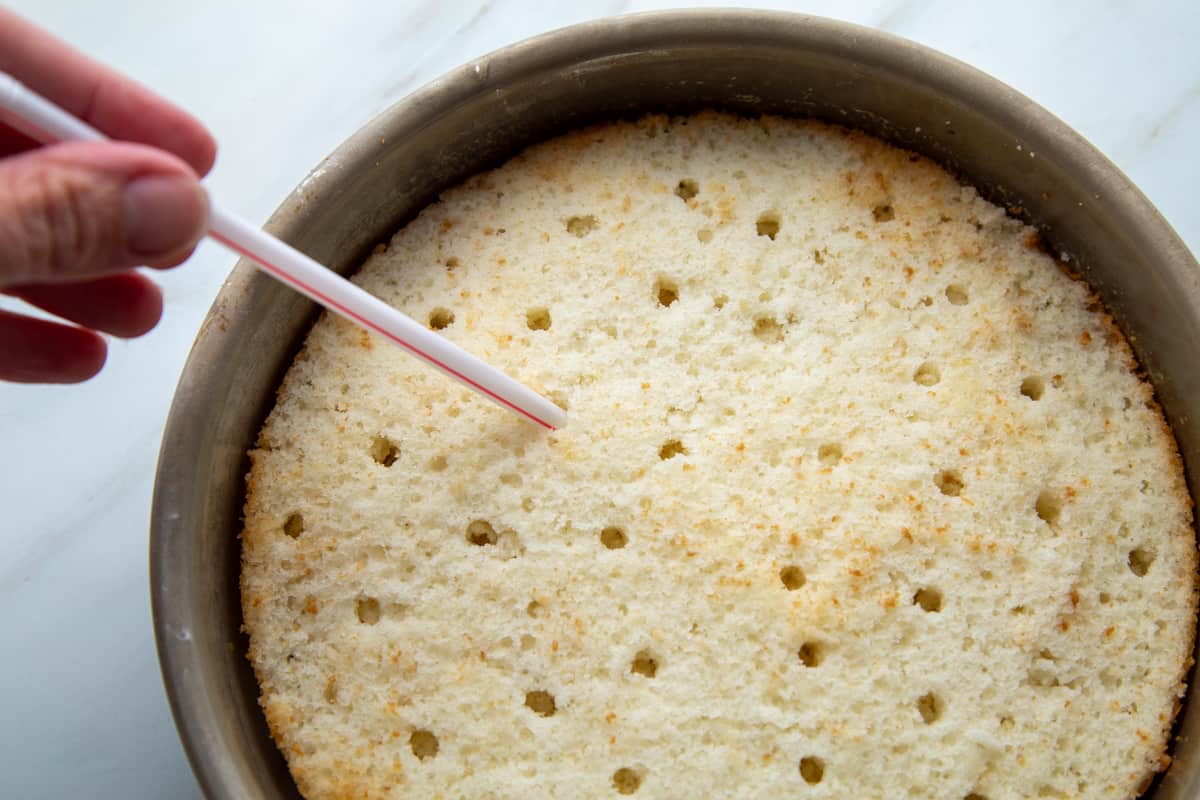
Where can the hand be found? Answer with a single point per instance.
(77, 217)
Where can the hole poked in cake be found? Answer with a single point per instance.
(927, 374)
(538, 319)
(812, 769)
(541, 703)
(956, 293)
(1139, 561)
(666, 290)
(481, 533)
(767, 328)
(671, 448)
(792, 578)
(506, 542)
(931, 707)
(626, 780)
(829, 453)
(975, 796)
(1033, 388)
(1048, 507)
(811, 654)
(293, 526)
(929, 599)
(768, 224)
(582, 225)
(949, 482)
(644, 663)
(883, 212)
(384, 451)
(423, 743)
(367, 610)
(686, 189)
(441, 318)
(613, 538)
(1041, 677)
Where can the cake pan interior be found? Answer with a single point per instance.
(745, 62)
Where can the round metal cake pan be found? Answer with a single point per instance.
(482, 113)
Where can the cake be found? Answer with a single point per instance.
(861, 495)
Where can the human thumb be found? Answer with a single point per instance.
(78, 210)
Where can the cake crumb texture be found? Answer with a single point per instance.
(860, 496)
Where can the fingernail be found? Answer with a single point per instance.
(163, 214)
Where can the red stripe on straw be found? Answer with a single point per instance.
(289, 278)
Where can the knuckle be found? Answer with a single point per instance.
(64, 220)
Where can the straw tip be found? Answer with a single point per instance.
(555, 418)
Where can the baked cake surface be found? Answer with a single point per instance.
(860, 496)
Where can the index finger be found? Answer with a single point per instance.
(105, 99)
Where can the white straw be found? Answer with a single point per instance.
(41, 119)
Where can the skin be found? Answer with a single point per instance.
(78, 218)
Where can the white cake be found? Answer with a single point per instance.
(861, 495)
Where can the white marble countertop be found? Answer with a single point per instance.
(281, 83)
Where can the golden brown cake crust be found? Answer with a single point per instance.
(860, 495)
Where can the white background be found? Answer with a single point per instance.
(281, 83)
